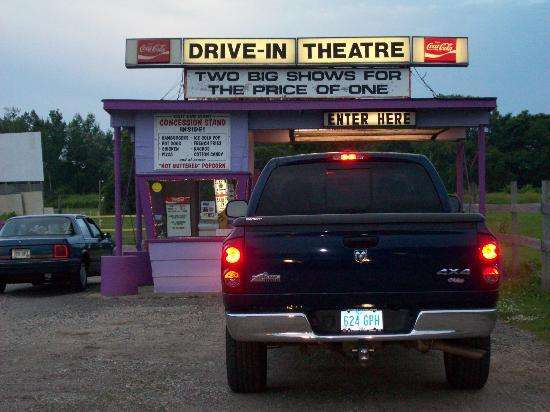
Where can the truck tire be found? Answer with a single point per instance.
(464, 373)
(2, 287)
(79, 280)
(246, 365)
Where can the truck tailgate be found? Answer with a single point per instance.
(396, 253)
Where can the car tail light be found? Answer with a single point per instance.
(60, 251)
(232, 260)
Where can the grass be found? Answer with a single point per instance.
(530, 224)
(524, 196)
(522, 301)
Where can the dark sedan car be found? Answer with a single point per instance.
(51, 248)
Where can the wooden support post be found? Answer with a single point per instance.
(514, 227)
(545, 241)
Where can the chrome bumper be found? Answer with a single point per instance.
(295, 327)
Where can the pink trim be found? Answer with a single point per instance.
(188, 239)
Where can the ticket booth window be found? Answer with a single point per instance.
(191, 207)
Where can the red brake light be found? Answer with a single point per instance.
(488, 249)
(491, 274)
(232, 254)
(60, 251)
(232, 259)
(348, 156)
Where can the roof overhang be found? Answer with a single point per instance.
(127, 105)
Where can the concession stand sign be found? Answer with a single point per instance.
(192, 142)
(320, 82)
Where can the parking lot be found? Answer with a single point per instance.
(82, 351)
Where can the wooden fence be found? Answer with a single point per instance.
(516, 240)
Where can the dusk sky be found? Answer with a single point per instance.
(70, 54)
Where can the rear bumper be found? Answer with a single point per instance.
(295, 327)
(32, 271)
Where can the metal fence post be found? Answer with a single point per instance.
(545, 241)
(514, 226)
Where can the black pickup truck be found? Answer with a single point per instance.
(357, 250)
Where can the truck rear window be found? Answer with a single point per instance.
(373, 187)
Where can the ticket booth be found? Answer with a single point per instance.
(194, 155)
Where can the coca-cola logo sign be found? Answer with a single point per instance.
(153, 51)
(440, 49)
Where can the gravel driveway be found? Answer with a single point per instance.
(81, 351)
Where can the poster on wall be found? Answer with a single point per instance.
(208, 210)
(192, 142)
(318, 83)
(178, 216)
(224, 192)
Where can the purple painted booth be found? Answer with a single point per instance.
(191, 157)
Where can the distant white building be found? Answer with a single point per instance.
(21, 173)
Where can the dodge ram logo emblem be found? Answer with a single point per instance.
(361, 256)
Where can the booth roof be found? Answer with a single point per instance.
(476, 103)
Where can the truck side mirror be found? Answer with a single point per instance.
(236, 208)
(456, 206)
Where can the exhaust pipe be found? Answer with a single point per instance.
(453, 349)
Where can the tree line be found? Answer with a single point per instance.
(78, 154)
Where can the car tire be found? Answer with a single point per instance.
(79, 280)
(2, 287)
(465, 373)
(246, 365)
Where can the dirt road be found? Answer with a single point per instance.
(82, 351)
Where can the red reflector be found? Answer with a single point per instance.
(60, 251)
(491, 274)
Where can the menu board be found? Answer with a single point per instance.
(178, 216)
(192, 142)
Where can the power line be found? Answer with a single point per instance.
(424, 82)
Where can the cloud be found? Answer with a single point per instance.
(69, 54)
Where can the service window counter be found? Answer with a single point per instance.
(188, 167)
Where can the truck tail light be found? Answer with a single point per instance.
(232, 261)
(489, 250)
(489, 256)
(60, 251)
(491, 275)
(349, 156)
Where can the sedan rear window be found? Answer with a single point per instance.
(37, 226)
(369, 187)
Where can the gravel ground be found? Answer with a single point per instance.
(81, 351)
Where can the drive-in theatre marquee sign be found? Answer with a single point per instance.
(325, 67)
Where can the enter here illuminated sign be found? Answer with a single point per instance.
(369, 119)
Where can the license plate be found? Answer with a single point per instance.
(20, 253)
(361, 320)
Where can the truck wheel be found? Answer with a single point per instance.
(246, 365)
(2, 287)
(79, 280)
(464, 373)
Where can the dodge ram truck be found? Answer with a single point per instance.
(357, 251)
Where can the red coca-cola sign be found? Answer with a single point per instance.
(153, 51)
(440, 49)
